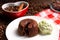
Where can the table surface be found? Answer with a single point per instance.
(4, 20)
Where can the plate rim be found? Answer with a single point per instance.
(20, 18)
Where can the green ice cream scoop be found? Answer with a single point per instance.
(45, 28)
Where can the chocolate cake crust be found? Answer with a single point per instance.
(28, 27)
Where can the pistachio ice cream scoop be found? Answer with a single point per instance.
(45, 28)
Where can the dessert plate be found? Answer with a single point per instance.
(11, 30)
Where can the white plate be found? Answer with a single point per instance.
(13, 26)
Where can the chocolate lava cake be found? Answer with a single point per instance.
(28, 27)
